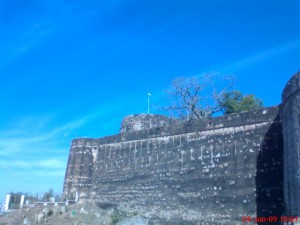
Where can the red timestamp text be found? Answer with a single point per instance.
(269, 219)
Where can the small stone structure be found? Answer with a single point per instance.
(214, 171)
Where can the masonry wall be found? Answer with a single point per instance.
(211, 172)
(290, 115)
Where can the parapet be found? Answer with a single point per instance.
(139, 122)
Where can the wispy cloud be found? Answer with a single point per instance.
(43, 135)
(28, 132)
(36, 147)
(37, 180)
(52, 17)
(19, 164)
(49, 173)
(23, 42)
(263, 55)
(52, 163)
(42, 164)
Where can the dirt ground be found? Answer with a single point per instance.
(79, 214)
(87, 213)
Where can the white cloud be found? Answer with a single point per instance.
(19, 164)
(36, 148)
(34, 134)
(49, 173)
(52, 163)
(26, 164)
(264, 55)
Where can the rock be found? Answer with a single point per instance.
(78, 223)
(63, 209)
(136, 220)
(83, 210)
(40, 218)
(26, 221)
(75, 223)
(48, 212)
(56, 211)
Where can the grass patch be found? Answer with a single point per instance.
(119, 216)
(134, 213)
(116, 217)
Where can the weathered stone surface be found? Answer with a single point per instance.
(136, 220)
(290, 111)
(26, 221)
(144, 122)
(209, 172)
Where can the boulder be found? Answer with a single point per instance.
(26, 221)
(40, 218)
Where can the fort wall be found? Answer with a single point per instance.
(214, 171)
(290, 112)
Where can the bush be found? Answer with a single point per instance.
(115, 218)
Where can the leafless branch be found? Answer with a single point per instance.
(197, 97)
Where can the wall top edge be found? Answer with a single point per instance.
(267, 114)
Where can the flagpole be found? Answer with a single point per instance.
(149, 102)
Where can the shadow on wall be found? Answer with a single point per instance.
(269, 176)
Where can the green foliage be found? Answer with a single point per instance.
(119, 216)
(115, 218)
(235, 101)
(74, 212)
(134, 213)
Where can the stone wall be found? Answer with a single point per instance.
(213, 171)
(291, 133)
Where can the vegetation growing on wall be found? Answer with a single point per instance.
(203, 96)
(235, 101)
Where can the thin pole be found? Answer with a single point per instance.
(149, 102)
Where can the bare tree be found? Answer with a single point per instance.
(198, 97)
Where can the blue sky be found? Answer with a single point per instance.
(72, 68)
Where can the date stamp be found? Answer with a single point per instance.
(269, 219)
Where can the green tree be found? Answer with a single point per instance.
(235, 101)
